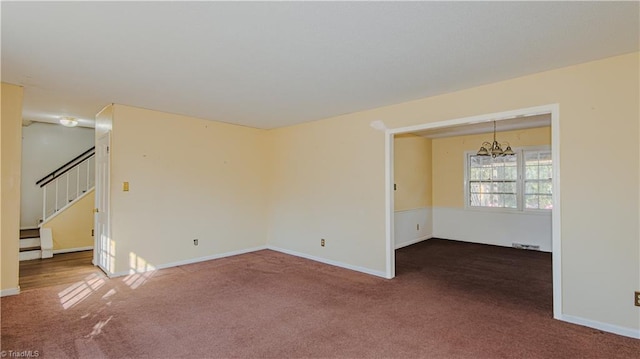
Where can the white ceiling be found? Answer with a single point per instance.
(272, 64)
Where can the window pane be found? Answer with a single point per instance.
(475, 173)
(545, 172)
(497, 200)
(510, 201)
(474, 187)
(511, 173)
(485, 173)
(531, 201)
(494, 182)
(545, 187)
(485, 200)
(546, 202)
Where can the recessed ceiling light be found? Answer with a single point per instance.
(68, 121)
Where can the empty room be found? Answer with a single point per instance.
(320, 179)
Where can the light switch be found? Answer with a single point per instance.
(125, 186)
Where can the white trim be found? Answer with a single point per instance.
(329, 261)
(389, 220)
(414, 241)
(46, 242)
(627, 332)
(51, 217)
(555, 213)
(554, 110)
(497, 116)
(9, 291)
(408, 210)
(69, 250)
(190, 261)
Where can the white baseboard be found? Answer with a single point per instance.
(191, 261)
(329, 261)
(615, 329)
(9, 291)
(69, 250)
(414, 241)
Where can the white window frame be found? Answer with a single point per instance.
(520, 183)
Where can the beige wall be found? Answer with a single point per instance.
(412, 172)
(189, 179)
(448, 160)
(10, 156)
(328, 179)
(72, 227)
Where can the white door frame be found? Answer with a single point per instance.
(554, 111)
(101, 250)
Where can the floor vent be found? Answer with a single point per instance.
(526, 246)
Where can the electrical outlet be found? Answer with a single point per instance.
(636, 302)
(321, 242)
(195, 242)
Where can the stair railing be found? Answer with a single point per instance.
(67, 183)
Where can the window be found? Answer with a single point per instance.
(537, 180)
(522, 181)
(493, 181)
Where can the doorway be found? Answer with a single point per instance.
(102, 247)
(553, 111)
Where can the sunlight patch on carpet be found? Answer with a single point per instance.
(79, 291)
(97, 329)
(140, 271)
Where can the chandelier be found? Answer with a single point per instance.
(495, 148)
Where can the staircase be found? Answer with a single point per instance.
(62, 187)
(30, 244)
(60, 190)
(35, 244)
